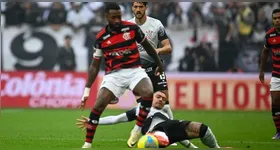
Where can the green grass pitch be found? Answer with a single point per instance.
(55, 128)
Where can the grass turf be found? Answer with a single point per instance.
(55, 128)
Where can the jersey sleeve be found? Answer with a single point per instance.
(139, 35)
(97, 54)
(161, 32)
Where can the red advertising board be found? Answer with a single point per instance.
(186, 91)
(43, 89)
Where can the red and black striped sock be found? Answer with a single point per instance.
(146, 104)
(276, 117)
(92, 125)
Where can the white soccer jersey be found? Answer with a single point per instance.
(155, 33)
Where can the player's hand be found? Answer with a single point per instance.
(82, 123)
(261, 76)
(84, 98)
(159, 70)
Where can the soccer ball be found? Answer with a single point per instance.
(148, 141)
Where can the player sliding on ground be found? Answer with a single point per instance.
(158, 120)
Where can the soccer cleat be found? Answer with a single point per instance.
(276, 136)
(134, 137)
(114, 101)
(86, 145)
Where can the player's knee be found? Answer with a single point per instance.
(203, 129)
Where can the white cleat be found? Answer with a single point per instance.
(134, 137)
(86, 145)
(276, 136)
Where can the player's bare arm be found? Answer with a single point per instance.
(92, 74)
(93, 71)
(264, 58)
(152, 52)
(166, 47)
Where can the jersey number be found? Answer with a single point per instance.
(162, 76)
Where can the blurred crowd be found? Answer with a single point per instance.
(241, 27)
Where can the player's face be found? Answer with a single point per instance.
(159, 100)
(139, 10)
(276, 20)
(114, 18)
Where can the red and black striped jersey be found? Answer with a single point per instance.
(272, 41)
(119, 47)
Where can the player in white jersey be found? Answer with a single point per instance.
(158, 121)
(155, 33)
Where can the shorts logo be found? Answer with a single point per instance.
(106, 37)
(271, 35)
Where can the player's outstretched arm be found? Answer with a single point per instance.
(264, 58)
(109, 120)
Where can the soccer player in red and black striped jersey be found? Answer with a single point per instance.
(273, 43)
(117, 43)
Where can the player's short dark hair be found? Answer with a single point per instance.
(275, 11)
(145, 3)
(112, 6)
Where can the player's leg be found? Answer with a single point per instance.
(275, 96)
(103, 98)
(141, 85)
(129, 115)
(108, 91)
(275, 104)
(199, 130)
(175, 130)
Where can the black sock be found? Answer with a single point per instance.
(146, 104)
(276, 117)
(92, 124)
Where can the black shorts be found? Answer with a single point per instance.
(131, 114)
(174, 129)
(159, 82)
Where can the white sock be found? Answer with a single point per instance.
(113, 119)
(209, 139)
(137, 128)
(188, 144)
